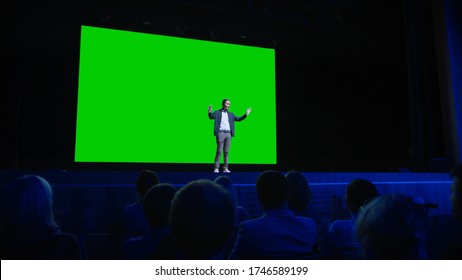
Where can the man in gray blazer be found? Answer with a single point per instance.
(223, 130)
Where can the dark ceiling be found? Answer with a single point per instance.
(315, 25)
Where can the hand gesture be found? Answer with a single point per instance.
(210, 108)
(248, 110)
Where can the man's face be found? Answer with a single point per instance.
(456, 198)
(226, 105)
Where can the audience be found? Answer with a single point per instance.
(202, 219)
(32, 232)
(299, 200)
(278, 233)
(133, 219)
(340, 237)
(390, 227)
(156, 209)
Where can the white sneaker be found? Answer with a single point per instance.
(226, 171)
(216, 171)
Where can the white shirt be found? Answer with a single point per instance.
(224, 124)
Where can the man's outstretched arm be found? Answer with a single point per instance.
(243, 117)
(210, 112)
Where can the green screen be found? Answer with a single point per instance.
(143, 98)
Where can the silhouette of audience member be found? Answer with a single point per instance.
(299, 200)
(133, 219)
(32, 232)
(202, 220)
(241, 214)
(156, 209)
(278, 233)
(392, 226)
(341, 233)
(452, 236)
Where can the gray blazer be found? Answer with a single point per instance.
(216, 115)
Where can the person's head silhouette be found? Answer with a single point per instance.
(202, 219)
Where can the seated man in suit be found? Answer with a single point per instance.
(134, 222)
(340, 237)
(156, 207)
(278, 233)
